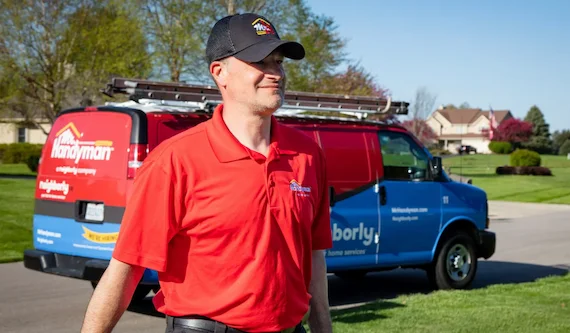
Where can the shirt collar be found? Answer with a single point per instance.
(227, 148)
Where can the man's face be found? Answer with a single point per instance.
(259, 86)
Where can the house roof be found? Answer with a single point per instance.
(468, 116)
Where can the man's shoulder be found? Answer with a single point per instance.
(184, 143)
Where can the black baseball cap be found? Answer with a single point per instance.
(250, 38)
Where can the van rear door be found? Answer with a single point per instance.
(83, 179)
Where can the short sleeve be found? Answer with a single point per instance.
(152, 217)
(321, 229)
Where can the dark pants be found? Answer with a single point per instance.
(172, 327)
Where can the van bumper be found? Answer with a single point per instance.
(487, 244)
(65, 265)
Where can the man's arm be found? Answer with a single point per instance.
(111, 297)
(319, 317)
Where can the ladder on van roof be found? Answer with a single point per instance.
(206, 97)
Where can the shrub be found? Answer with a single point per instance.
(439, 152)
(524, 157)
(3, 147)
(33, 162)
(565, 148)
(500, 147)
(523, 170)
(20, 152)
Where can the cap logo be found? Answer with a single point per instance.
(262, 27)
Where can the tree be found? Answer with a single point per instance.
(421, 107)
(565, 148)
(355, 80)
(96, 56)
(558, 139)
(540, 140)
(178, 31)
(36, 50)
(513, 130)
(425, 133)
(175, 31)
(324, 50)
(56, 52)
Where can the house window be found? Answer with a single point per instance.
(21, 134)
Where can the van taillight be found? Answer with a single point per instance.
(137, 154)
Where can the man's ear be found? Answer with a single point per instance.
(218, 70)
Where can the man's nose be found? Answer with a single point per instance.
(275, 70)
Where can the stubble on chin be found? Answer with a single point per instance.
(270, 104)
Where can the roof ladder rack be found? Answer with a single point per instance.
(207, 98)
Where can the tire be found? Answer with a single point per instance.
(140, 293)
(455, 264)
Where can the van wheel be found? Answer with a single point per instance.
(140, 293)
(455, 265)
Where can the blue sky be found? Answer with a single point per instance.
(504, 53)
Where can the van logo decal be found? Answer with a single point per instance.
(69, 146)
(100, 237)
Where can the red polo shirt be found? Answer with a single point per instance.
(229, 231)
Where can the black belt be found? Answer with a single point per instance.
(211, 325)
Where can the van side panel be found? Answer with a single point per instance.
(81, 179)
(353, 163)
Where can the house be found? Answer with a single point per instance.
(456, 127)
(14, 129)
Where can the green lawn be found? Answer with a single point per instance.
(546, 189)
(15, 169)
(541, 306)
(16, 210)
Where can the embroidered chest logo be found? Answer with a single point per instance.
(302, 191)
(262, 27)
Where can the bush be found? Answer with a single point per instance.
(565, 148)
(523, 170)
(3, 147)
(33, 162)
(439, 152)
(500, 147)
(20, 152)
(524, 157)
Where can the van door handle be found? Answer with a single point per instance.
(382, 197)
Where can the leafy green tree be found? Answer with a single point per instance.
(56, 54)
(111, 43)
(36, 50)
(536, 118)
(565, 148)
(558, 139)
(540, 140)
(178, 32)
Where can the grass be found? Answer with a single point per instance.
(544, 189)
(540, 306)
(15, 169)
(16, 210)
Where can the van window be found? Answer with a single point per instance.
(347, 156)
(403, 158)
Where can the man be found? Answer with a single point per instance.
(232, 213)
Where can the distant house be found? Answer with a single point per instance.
(456, 127)
(14, 129)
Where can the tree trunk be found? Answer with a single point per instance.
(231, 7)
